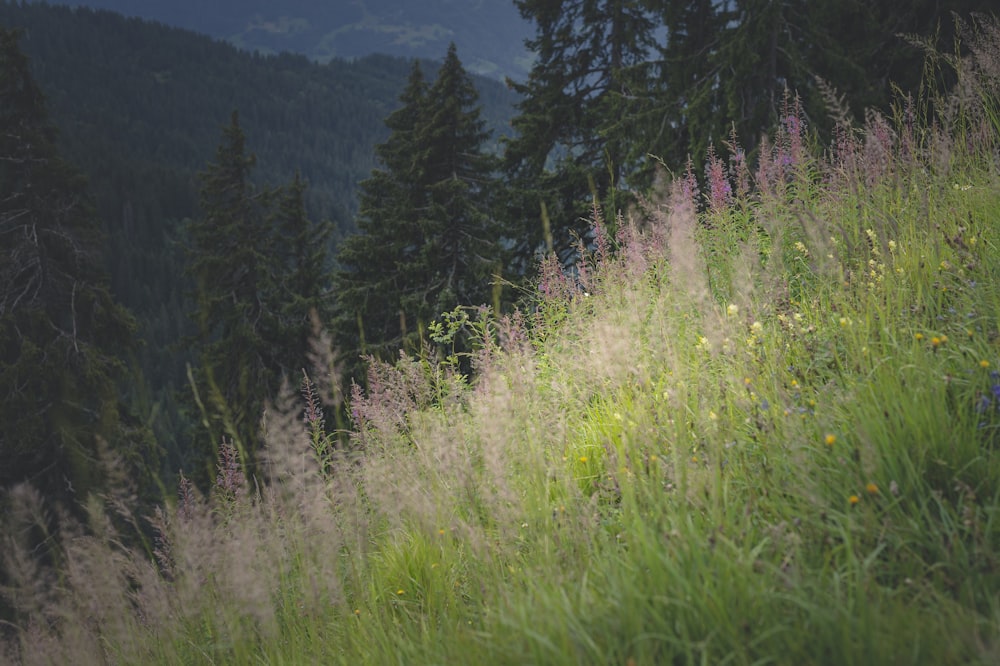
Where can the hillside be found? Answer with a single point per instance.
(490, 33)
(140, 107)
(759, 425)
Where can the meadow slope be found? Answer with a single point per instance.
(758, 423)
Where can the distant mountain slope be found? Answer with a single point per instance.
(129, 91)
(490, 33)
(140, 109)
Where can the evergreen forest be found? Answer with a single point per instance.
(682, 348)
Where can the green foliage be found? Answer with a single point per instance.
(260, 266)
(428, 240)
(760, 426)
(576, 134)
(139, 106)
(63, 337)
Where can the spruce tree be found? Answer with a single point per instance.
(261, 270)
(460, 236)
(684, 115)
(231, 261)
(62, 335)
(575, 129)
(304, 291)
(370, 285)
(427, 241)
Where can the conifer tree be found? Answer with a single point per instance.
(231, 261)
(260, 266)
(685, 115)
(370, 286)
(427, 241)
(305, 289)
(62, 335)
(460, 236)
(575, 132)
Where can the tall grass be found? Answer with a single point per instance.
(759, 426)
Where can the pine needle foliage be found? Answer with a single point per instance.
(428, 241)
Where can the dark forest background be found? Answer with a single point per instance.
(452, 181)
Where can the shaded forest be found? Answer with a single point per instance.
(220, 232)
(139, 109)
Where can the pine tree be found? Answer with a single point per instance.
(232, 262)
(460, 236)
(370, 286)
(575, 129)
(684, 116)
(304, 292)
(62, 335)
(428, 242)
(261, 271)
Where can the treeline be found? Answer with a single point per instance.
(228, 259)
(140, 107)
(618, 86)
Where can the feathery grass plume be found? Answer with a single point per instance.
(326, 369)
(684, 254)
(837, 108)
(879, 148)
(28, 553)
(792, 132)
(394, 391)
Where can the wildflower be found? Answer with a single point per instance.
(936, 341)
(441, 531)
(757, 327)
(712, 415)
(871, 488)
(732, 310)
(830, 439)
(844, 321)
(892, 246)
(719, 189)
(400, 592)
(984, 364)
(853, 499)
(918, 337)
(583, 459)
(357, 611)
(801, 248)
